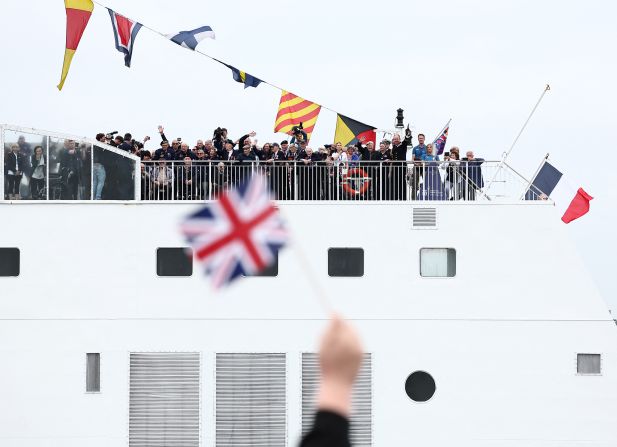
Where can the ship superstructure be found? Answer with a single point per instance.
(480, 324)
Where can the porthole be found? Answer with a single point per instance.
(420, 386)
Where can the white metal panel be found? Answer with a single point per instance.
(251, 405)
(361, 420)
(164, 399)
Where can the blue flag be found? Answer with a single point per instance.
(190, 39)
(544, 183)
(244, 78)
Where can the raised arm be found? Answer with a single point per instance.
(340, 357)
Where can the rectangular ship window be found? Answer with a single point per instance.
(9, 261)
(93, 372)
(346, 262)
(588, 364)
(438, 262)
(174, 261)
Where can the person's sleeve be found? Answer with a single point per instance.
(329, 430)
(241, 141)
(163, 137)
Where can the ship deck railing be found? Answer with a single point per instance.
(106, 173)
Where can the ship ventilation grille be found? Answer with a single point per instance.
(251, 401)
(164, 399)
(424, 218)
(361, 427)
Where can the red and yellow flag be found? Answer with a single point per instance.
(78, 14)
(294, 110)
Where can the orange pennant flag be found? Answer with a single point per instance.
(294, 110)
(78, 14)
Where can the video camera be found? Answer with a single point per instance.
(110, 135)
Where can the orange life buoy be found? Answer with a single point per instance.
(356, 172)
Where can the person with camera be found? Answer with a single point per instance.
(219, 139)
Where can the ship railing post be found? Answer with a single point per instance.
(295, 180)
(2, 164)
(173, 180)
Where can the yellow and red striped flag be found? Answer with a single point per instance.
(78, 14)
(294, 110)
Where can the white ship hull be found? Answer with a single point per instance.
(500, 338)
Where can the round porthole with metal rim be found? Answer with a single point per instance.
(420, 386)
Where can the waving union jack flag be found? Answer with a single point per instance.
(440, 141)
(238, 235)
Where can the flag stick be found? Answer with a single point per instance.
(318, 290)
(507, 154)
(530, 183)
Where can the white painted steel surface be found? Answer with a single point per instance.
(500, 338)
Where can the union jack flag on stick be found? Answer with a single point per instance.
(238, 235)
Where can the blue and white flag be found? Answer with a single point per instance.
(190, 39)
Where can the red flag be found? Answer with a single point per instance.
(578, 207)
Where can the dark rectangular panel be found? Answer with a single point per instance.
(9, 261)
(346, 262)
(174, 261)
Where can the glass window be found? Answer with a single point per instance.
(25, 166)
(9, 261)
(174, 261)
(420, 386)
(587, 364)
(70, 174)
(93, 372)
(346, 262)
(438, 262)
(112, 176)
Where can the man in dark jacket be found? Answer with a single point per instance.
(15, 163)
(372, 167)
(398, 177)
(164, 152)
(70, 169)
(472, 175)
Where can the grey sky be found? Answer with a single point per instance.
(482, 63)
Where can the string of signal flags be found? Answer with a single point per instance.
(293, 110)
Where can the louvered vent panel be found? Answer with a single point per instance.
(361, 429)
(424, 218)
(164, 399)
(251, 405)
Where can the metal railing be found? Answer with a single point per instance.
(81, 169)
(327, 181)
